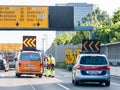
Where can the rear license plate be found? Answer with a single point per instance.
(93, 72)
(30, 65)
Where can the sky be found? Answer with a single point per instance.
(108, 5)
(16, 36)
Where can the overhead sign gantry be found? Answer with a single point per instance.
(39, 18)
(36, 17)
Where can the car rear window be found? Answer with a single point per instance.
(11, 60)
(30, 56)
(93, 60)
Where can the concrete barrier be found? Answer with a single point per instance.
(115, 71)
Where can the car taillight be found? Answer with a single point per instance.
(106, 67)
(19, 65)
(41, 64)
(79, 67)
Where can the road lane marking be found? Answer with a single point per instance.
(67, 75)
(116, 77)
(63, 86)
(115, 84)
(32, 87)
(2, 76)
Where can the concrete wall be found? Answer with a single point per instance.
(112, 51)
(58, 51)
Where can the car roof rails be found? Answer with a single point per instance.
(90, 52)
(30, 50)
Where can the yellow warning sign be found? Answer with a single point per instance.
(24, 17)
(10, 46)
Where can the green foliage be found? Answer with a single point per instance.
(76, 39)
(106, 29)
(116, 16)
(63, 38)
(116, 26)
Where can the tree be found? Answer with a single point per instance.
(63, 39)
(80, 35)
(116, 26)
(116, 16)
(106, 29)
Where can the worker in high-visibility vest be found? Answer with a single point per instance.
(52, 60)
(48, 66)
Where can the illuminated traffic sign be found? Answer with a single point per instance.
(29, 42)
(91, 45)
(23, 17)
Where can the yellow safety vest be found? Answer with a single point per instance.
(52, 60)
(48, 61)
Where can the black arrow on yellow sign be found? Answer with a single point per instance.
(29, 42)
(38, 24)
(17, 24)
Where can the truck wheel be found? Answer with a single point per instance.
(18, 75)
(40, 75)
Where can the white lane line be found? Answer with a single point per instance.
(116, 77)
(115, 84)
(63, 86)
(67, 75)
(32, 87)
(2, 75)
(58, 76)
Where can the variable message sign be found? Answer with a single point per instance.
(29, 43)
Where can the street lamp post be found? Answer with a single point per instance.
(46, 40)
(43, 45)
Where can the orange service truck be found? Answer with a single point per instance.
(29, 60)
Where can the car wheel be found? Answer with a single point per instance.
(76, 82)
(40, 75)
(107, 83)
(72, 81)
(17, 75)
(6, 70)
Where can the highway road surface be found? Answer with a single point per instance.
(62, 81)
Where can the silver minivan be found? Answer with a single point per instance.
(91, 68)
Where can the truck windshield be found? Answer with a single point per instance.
(30, 56)
(93, 60)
